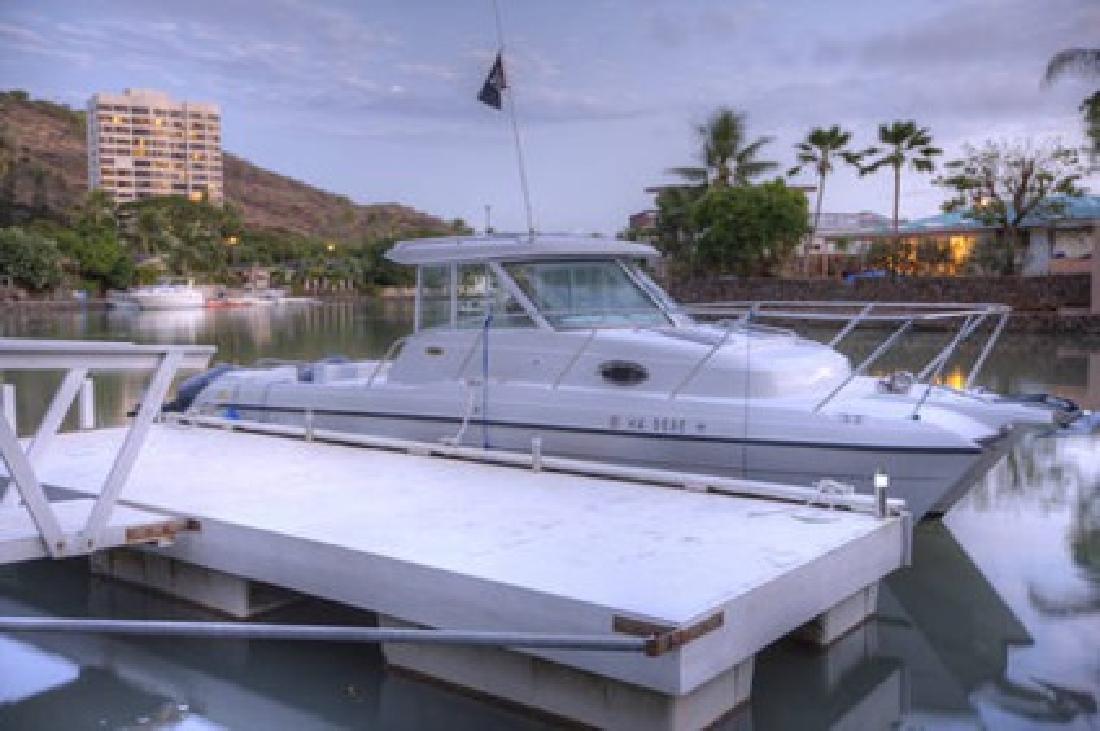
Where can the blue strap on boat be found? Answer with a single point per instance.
(485, 381)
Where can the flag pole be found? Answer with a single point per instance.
(515, 128)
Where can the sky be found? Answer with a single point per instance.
(377, 99)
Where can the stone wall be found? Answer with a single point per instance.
(1023, 294)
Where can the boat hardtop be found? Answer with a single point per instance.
(503, 247)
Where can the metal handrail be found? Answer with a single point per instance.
(986, 350)
(867, 362)
(389, 355)
(694, 371)
(576, 357)
(77, 358)
(833, 310)
(856, 313)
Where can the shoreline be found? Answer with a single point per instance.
(1072, 320)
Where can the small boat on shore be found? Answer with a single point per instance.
(569, 340)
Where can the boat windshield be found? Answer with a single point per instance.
(586, 293)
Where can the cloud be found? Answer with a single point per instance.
(437, 72)
(21, 39)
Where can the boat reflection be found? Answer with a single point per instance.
(955, 640)
(177, 326)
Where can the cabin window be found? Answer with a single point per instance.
(435, 296)
(586, 293)
(480, 292)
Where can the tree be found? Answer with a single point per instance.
(819, 151)
(903, 142)
(1083, 62)
(674, 224)
(727, 157)
(1002, 184)
(190, 237)
(748, 229)
(30, 259)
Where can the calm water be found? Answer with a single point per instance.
(996, 625)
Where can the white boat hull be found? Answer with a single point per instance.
(929, 479)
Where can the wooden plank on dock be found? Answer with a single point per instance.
(20, 539)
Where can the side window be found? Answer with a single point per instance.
(479, 293)
(435, 296)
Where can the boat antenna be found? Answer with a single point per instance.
(510, 100)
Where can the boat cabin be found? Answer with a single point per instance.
(541, 281)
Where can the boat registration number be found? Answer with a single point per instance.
(657, 424)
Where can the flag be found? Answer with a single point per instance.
(492, 89)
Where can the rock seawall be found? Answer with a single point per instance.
(1023, 294)
(1057, 303)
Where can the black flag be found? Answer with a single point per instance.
(491, 90)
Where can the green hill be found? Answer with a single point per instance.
(45, 156)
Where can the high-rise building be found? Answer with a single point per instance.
(143, 144)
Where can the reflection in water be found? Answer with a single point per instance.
(995, 625)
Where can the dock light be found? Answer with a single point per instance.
(231, 240)
(331, 247)
(881, 482)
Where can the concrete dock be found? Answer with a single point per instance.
(425, 541)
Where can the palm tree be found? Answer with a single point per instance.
(728, 157)
(819, 152)
(902, 142)
(1084, 62)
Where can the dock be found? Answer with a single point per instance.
(709, 571)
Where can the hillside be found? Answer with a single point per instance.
(51, 170)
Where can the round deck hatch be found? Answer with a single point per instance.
(623, 372)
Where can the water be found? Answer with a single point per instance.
(996, 625)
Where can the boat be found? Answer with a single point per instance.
(569, 340)
(169, 293)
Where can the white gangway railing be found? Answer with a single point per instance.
(77, 359)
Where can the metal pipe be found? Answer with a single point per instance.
(833, 311)
(972, 323)
(867, 362)
(321, 633)
(576, 356)
(536, 454)
(963, 333)
(844, 332)
(986, 350)
(687, 379)
(385, 359)
(417, 304)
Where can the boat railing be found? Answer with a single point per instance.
(851, 315)
(391, 353)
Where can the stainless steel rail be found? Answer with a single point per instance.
(321, 633)
(853, 314)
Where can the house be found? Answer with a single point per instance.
(1062, 243)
